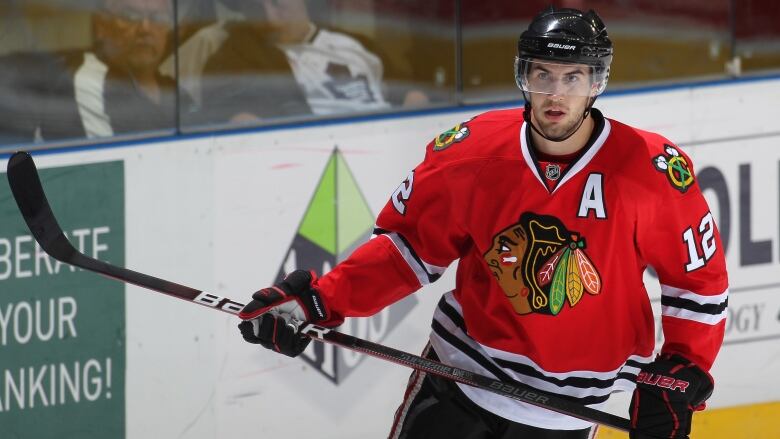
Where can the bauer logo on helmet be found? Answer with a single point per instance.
(561, 46)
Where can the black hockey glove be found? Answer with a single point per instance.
(668, 390)
(271, 319)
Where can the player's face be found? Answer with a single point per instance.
(559, 95)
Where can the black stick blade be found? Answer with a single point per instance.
(28, 192)
(29, 195)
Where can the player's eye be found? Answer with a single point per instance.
(571, 79)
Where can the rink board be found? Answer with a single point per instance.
(228, 213)
(746, 421)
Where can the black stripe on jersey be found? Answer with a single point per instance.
(471, 352)
(432, 277)
(634, 363)
(453, 314)
(690, 305)
(580, 382)
(628, 376)
(492, 365)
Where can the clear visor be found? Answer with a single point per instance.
(560, 79)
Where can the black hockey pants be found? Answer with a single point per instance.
(435, 408)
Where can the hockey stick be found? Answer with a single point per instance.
(31, 199)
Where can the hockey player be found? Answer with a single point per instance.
(554, 212)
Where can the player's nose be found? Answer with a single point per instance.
(559, 89)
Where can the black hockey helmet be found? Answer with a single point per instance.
(566, 36)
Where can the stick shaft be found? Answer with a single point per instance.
(31, 199)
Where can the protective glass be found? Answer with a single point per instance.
(560, 79)
(136, 17)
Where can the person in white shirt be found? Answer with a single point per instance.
(334, 72)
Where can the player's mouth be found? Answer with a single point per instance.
(554, 114)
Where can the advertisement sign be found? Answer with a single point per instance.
(62, 330)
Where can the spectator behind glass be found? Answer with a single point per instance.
(114, 88)
(118, 88)
(278, 63)
(336, 72)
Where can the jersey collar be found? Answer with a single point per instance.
(587, 153)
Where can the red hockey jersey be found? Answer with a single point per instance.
(549, 287)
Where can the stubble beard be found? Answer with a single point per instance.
(560, 130)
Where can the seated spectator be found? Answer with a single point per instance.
(201, 32)
(278, 63)
(189, 60)
(117, 86)
(112, 89)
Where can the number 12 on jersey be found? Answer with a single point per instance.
(707, 239)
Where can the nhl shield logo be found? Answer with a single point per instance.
(552, 171)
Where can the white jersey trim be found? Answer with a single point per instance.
(425, 272)
(451, 342)
(576, 167)
(414, 386)
(688, 305)
(680, 313)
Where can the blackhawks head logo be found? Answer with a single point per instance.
(676, 168)
(540, 265)
(447, 138)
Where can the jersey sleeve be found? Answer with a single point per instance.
(418, 234)
(678, 237)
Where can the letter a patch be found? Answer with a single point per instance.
(593, 198)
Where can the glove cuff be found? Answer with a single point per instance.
(303, 284)
(706, 382)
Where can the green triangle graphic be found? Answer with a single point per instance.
(353, 216)
(319, 221)
(338, 214)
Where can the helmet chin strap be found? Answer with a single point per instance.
(527, 116)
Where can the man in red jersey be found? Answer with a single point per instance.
(553, 212)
